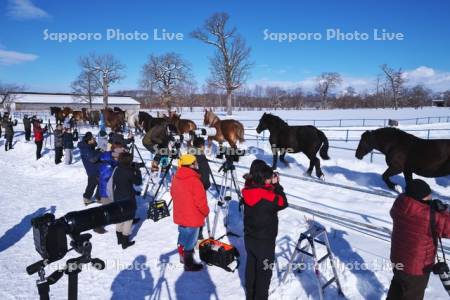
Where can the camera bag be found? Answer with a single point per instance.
(216, 253)
(158, 210)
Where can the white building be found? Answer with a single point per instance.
(36, 102)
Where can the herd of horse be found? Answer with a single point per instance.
(404, 153)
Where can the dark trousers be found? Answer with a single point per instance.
(38, 149)
(8, 143)
(407, 287)
(27, 134)
(258, 271)
(58, 154)
(91, 187)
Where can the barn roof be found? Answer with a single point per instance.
(60, 98)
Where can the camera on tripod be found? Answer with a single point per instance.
(49, 233)
(230, 154)
(50, 242)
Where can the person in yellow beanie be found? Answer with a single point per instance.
(190, 208)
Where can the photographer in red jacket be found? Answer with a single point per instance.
(413, 250)
(190, 208)
(263, 198)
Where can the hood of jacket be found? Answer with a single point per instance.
(186, 173)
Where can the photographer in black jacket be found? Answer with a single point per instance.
(204, 169)
(27, 127)
(263, 198)
(124, 177)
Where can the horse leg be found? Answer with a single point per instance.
(408, 176)
(275, 158)
(319, 172)
(282, 155)
(388, 173)
(311, 166)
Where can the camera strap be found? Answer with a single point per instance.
(436, 239)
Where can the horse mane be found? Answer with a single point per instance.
(395, 131)
(277, 119)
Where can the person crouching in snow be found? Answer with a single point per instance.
(263, 198)
(108, 161)
(123, 179)
(190, 208)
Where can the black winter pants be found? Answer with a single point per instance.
(258, 271)
(58, 154)
(27, 134)
(407, 287)
(91, 187)
(8, 143)
(38, 149)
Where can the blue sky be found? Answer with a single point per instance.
(43, 65)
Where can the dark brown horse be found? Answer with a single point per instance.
(406, 153)
(59, 114)
(182, 125)
(146, 121)
(293, 139)
(230, 130)
(114, 119)
(91, 116)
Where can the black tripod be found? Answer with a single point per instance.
(226, 188)
(50, 131)
(82, 245)
(135, 148)
(162, 180)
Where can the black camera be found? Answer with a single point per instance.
(49, 233)
(230, 154)
(438, 205)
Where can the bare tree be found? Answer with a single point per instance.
(325, 83)
(8, 94)
(85, 87)
(395, 80)
(446, 97)
(168, 73)
(105, 69)
(230, 64)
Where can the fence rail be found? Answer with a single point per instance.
(323, 123)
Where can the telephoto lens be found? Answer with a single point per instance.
(117, 212)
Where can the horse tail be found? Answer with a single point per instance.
(324, 149)
(240, 132)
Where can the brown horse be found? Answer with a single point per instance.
(78, 116)
(59, 114)
(91, 116)
(182, 125)
(114, 119)
(406, 153)
(230, 130)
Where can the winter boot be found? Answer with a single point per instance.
(87, 201)
(119, 237)
(181, 253)
(189, 263)
(126, 242)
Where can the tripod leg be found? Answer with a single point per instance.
(73, 285)
(43, 289)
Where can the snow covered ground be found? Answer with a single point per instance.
(30, 188)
